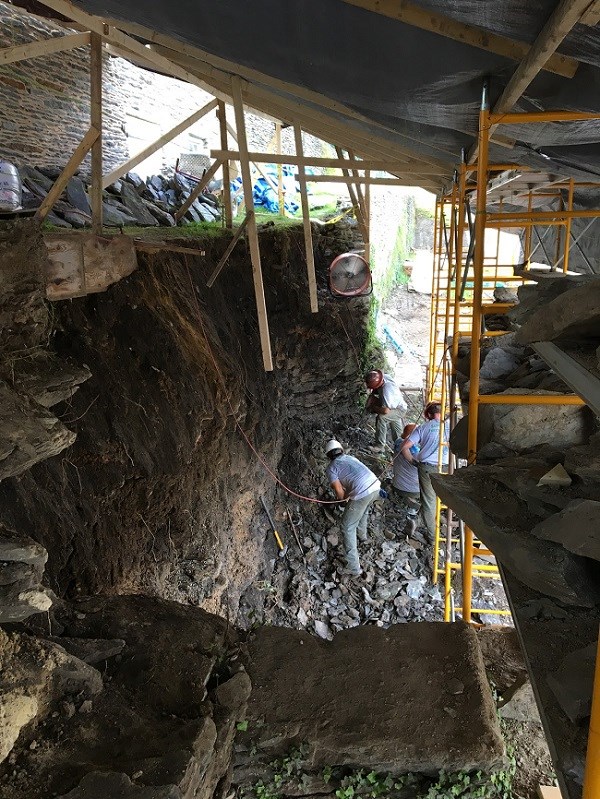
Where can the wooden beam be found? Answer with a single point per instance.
(410, 14)
(330, 163)
(61, 181)
(308, 243)
(362, 180)
(592, 16)
(286, 109)
(236, 237)
(119, 39)
(259, 291)
(127, 166)
(203, 183)
(58, 44)
(96, 123)
(280, 192)
(222, 116)
(559, 24)
(222, 67)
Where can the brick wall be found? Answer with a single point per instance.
(44, 106)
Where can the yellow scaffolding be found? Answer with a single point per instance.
(449, 294)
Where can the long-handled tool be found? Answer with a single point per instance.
(282, 549)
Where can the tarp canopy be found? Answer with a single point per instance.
(412, 90)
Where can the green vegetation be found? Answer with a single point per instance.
(388, 276)
(352, 784)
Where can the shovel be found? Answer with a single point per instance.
(282, 549)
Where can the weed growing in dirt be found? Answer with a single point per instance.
(344, 784)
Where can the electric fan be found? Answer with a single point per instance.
(350, 276)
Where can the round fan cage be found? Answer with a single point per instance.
(350, 276)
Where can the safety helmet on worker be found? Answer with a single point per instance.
(431, 409)
(332, 445)
(374, 379)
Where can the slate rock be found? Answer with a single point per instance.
(573, 683)
(54, 219)
(577, 528)
(90, 650)
(114, 218)
(499, 363)
(47, 378)
(77, 197)
(135, 180)
(574, 314)
(135, 205)
(37, 177)
(163, 217)
(104, 784)
(493, 514)
(234, 693)
(518, 702)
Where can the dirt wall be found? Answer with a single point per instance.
(160, 492)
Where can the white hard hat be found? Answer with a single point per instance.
(331, 445)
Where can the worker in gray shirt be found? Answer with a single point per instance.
(427, 438)
(387, 402)
(355, 484)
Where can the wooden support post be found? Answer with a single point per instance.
(259, 291)
(96, 122)
(67, 173)
(222, 115)
(367, 212)
(353, 197)
(219, 267)
(204, 181)
(280, 193)
(308, 243)
(128, 165)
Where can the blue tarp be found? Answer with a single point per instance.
(263, 195)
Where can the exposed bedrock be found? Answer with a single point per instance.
(154, 717)
(159, 493)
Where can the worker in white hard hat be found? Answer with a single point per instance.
(355, 484)
(387, 402)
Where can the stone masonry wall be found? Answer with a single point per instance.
(44, 106)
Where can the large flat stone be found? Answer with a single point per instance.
(573, 314)
(502, 521)
(521, 427)
(45, 377)
(374, 698)
(576, 527)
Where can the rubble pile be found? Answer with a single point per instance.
(128, 201)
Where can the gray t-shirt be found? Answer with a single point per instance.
(427, 439)
(357, 480)
(406, 475)
(390, 395)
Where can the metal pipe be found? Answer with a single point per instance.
(478, 260)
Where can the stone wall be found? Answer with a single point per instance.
(45, 106)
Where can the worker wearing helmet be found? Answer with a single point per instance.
(355, 484)
(428, 437)
(405, 482)
(387, 402)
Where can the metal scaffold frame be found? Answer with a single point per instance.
(454, 316)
